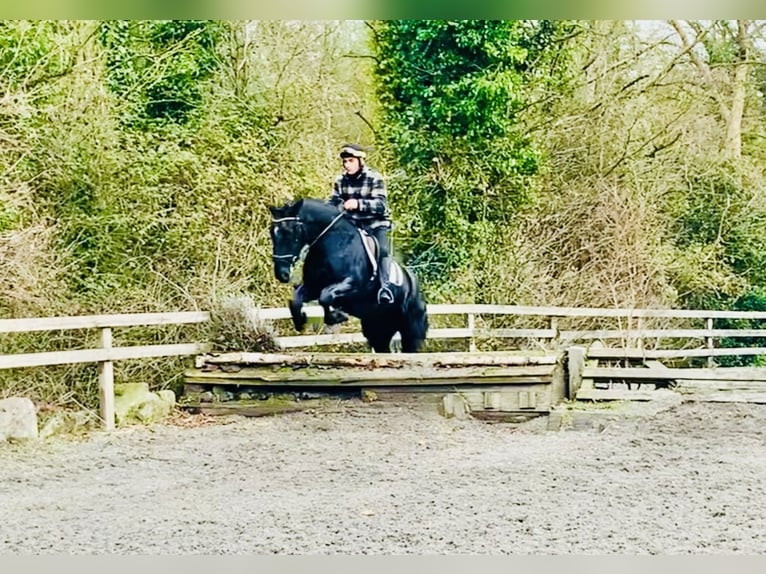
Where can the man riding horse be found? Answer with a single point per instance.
(361, 191)
(337, 274)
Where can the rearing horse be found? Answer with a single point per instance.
(339, 273)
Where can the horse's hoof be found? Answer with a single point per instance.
(298, 316)
(335, 316)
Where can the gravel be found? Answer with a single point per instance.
(396, 479)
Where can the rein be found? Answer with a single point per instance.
(326, 229)
(317, 238)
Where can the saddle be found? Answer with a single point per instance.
(395, 274)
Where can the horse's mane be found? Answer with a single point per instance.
(315, 203)
(317, 207)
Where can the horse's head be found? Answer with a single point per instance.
(287, 238)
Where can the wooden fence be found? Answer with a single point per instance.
(105, 354)
(644, 331)
(646, 334)
(604, 346)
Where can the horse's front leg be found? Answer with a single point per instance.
(334, 316)
(296, 308)
(330, 298)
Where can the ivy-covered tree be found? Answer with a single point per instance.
(157, 66)
(451, 95)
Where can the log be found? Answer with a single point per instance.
(331, 376)
(727, 397)
(375, 361)
(506, 416)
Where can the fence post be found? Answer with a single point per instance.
(576, 364)
(106, 381)
(555, 328)
(472, 327)
(710, 344)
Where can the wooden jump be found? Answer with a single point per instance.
(509, 382)
(621, 354)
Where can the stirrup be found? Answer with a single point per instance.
(385, 296)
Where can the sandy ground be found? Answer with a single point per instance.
(396, 479)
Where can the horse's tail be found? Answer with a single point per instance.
(415, 315)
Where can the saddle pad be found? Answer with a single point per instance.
(370, 246)
(395, 273)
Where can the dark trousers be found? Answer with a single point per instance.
(381, 234)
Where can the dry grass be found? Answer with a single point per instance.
(235, 326)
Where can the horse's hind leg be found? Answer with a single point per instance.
(380, 344)
(412, 336)
(411, 344)
(414, 325)
(296, 308)
(378, 336)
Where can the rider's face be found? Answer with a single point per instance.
(351, 165)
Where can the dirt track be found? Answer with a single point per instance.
(372, 479)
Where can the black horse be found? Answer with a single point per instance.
(339, 273)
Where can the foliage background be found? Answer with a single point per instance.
(593, 163)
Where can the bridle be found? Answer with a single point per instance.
(294, 256)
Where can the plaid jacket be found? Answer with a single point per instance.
(369, 189)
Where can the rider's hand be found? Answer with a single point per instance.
(351, 204)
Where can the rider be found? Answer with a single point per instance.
(362, 193)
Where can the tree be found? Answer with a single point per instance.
(451, 94)
(646, 202)
(721, 52)
(158, 66)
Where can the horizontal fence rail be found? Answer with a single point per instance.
(467, 309)
(96, 321)
(633, 334)
(105, 354)
(97, 355)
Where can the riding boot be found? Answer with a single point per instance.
(385, 296)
